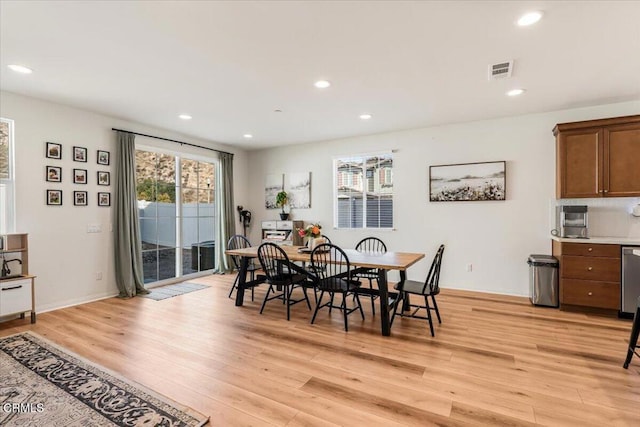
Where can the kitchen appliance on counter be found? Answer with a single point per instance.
(630, 280)
(572, 222)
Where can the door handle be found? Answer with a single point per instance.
(590, 293)
(12, 287)
(590, 268)
(590, 249)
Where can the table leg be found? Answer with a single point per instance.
(242, 279)
(33, 317)
(406, 303)
(384, 302)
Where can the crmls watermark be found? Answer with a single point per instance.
(22, 408)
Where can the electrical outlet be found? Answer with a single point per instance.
(99, 275)
(469, 267)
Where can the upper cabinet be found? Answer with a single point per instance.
(598, 158)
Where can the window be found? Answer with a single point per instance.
(364, 191)
(175, 204)
(7, 177)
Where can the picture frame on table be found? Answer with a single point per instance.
(54, 174)
(103, 157)
(80, 198)
(53, 150)
(54, 197)
(80, 154)
(104, 178)
(79, 176)
(104, 199)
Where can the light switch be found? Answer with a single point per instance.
(94, 228)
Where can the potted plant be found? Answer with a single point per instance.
(282, 198)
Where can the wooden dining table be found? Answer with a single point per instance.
(384, 262)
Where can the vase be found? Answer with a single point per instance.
(310, 241)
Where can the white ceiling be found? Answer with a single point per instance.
(231, 64)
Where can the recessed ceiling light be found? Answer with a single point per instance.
(322, 84)
(185, 117)
(247, 136)
(529, 18)
(365, 116)
(20, 69)
(515, 92)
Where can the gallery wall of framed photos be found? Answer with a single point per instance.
(79, 175)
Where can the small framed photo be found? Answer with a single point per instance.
(79, 176)
(54, 197)
(103, 157)
(104, 199)
(54, 151)
(54, 174)
(80, 198)
(79, 154)
(104, 178)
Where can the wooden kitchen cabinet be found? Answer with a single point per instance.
(598, 158)
(589, 275)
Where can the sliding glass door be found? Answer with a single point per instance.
(175, 205)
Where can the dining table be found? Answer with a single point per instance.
(382, 261)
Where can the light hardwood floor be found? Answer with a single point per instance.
(495, 360)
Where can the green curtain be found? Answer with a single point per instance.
(225, 213)
(128, 249)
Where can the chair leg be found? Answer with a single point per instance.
(373, 305)
(306, 297)
(344, 312)
(265, 299)
(331, 304)
(315, 312)
(287, 297)
(253, 287)
(435, 305)
(235, 284)
(395, 308)
(359, 305)
(426, 303)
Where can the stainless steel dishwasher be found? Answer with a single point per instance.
(630, 279)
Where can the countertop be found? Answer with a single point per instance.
(625, 241)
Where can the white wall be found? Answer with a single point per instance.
(62, 255)
(495, 237)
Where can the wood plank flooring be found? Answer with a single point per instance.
(494, 361)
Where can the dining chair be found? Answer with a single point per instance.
(430, 288)
(633, 338)
(275, 263)
(334, 276)
(238, 241)
(373, 245)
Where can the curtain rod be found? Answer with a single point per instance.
(172, 140)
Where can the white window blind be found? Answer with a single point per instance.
(364, 191)
(7, 177)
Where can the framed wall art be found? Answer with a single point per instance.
(79, 176)
(104, 199)
(298, 188)
(80, 198)
(104, 178)
(272, 186)
(53, 151)
(79, 154)
(467, 182)
(54, 197)
(54, 174)
(103, 157)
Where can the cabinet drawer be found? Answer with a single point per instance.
(591, 294)
(591, 268)
(284, 225)
(586, 249)
(15, 296)
(269, 225)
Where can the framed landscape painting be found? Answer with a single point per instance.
(467, 182)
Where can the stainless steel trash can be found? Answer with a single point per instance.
(543, 280)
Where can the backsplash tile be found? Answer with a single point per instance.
(609, 217)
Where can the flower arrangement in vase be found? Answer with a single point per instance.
(313, 233)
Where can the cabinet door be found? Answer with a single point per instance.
(622, 156)
(580, 163)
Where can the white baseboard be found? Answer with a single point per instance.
(74, 302)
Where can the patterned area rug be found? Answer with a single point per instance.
(169, 291)
(42, 384)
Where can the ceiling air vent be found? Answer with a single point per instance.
(500, 71)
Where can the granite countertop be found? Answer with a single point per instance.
(631, 241)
